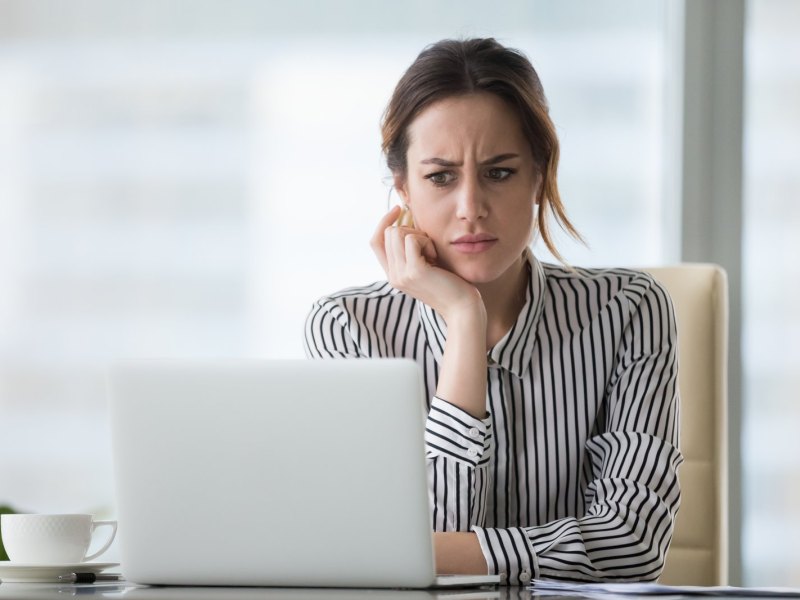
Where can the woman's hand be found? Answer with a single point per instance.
(408, 256)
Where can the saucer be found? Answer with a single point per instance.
(11, 572)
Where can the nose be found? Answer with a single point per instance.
(471, 202)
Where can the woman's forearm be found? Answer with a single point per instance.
(462, 377)
(458, 553)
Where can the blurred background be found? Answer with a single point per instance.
(185, 178)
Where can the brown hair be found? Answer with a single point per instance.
(456, 67)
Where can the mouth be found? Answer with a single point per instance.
(474, 243)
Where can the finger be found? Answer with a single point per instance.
(377, 242)
(395, 250)
(415, 251)
(427, 247)
(387, 221)
(397, 236)
(429, 251)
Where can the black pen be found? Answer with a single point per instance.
(89, 577)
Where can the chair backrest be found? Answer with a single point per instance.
(699, 551)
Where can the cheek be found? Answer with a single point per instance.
(521, 221)
(421, 192)
(428, 220)
(428, 210)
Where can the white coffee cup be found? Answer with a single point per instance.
(51, 539)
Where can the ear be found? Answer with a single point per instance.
(400, 186)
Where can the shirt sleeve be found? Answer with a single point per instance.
(458, 448)
(633, 493)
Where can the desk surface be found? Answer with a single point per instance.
(126, 591)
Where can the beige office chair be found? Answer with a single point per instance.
(699, 551)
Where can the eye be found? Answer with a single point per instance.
(500, 173)
(440, 178)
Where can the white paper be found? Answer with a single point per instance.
(607, 590)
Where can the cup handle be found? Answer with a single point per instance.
(95, 525)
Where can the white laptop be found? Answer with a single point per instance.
(273, 473)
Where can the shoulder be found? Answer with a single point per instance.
(628, 291)
(633, 283)
(352, 302)
(353, 322)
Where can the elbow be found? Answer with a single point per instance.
(639, 555)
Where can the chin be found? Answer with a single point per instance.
(480, 269)
(477, 274)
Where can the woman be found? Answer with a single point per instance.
(552, 430)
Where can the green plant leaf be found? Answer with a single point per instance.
(4, 510)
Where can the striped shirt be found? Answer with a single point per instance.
(573, 473)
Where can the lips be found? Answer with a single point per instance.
(474, 242)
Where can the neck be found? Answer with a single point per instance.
(504, 299)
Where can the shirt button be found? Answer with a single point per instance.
(525, 576)
(472, 452)
(473, 433)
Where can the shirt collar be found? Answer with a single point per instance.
(514, 351)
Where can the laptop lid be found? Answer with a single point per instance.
(279, 472)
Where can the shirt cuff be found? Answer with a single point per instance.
(508, 553)
(453, 432)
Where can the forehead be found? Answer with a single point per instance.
(480, 123)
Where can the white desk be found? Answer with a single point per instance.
(122, 590)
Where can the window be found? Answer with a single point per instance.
(177, 184)
(770, 444)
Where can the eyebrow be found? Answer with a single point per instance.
(448, 163)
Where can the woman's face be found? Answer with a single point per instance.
(471, 184)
